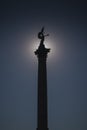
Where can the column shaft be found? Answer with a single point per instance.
(42, 95)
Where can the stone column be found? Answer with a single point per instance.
(42, 114)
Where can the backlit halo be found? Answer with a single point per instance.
(33, 44)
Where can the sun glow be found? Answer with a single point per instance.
(33, 44)
(48, 44)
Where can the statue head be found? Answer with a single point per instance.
(41, 34)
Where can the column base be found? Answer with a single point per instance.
(42, 128)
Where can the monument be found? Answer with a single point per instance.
(42, 109)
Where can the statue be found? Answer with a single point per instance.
(41, 49)
(41, 35)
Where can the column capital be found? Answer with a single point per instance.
(42, 51)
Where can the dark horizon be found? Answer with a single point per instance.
(66, 22)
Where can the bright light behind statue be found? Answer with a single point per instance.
(32, 45)
(49, 42)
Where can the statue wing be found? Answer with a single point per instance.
(42, 30)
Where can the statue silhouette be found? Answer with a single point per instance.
(41, 35)
(41, 49)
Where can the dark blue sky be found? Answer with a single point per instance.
(66, 21)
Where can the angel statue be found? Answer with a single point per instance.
(41, 35)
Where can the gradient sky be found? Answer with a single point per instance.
(66, 22)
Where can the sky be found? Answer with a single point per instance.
(66, 22)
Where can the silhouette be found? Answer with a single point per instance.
(42, 111)
(41, 35)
